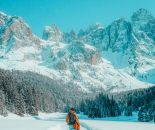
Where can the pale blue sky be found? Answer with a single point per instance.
(68, 14)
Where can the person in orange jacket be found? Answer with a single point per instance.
(72, 120)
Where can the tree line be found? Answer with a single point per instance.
(122, 103)
(29, 93)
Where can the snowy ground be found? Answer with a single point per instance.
(56, 121)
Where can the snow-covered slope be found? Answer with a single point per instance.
(117, 58)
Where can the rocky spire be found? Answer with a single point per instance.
(81, 33)
(73, 34)
(52, 33)
(119, 33)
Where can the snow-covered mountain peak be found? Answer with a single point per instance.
(73, 33)
(15, 34)
(52, 33)
(143, 20)
(142, 15)
(92, 27)
(119, 20)
(16, 27)
(2, 17)
(2, 14)
(55, 26)
(119, 35)
(81, 33)
(115, 58)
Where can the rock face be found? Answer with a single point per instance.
(116, 36)
(73, 34)
(14, 34)
(81, 33)
(94, 35)
(119, 35)
(52, 33)
(13, 28)
(89, 54)
(70, 37)
(126, 39)
(76, 51)
(93, 27)
(142, 20)
(129, 45)
(142, 43)
(116, 58)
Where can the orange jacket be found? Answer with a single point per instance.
(76, 126)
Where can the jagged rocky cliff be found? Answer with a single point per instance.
(116, 58)
(14, 35)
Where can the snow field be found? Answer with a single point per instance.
(56, 121)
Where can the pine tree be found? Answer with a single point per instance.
(140, 116)
(116, 113)
(147, 118)
(6, 101)
(77, 109)
(128, 111)
(11, 107)
(125, 112)
(82, 106)
(31, 109)
(3, 109)
(67, 107)
(22, 109)
(151, 113)
(17, 103)
(154, 111)
(86, 109)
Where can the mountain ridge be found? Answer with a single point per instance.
(117, 58)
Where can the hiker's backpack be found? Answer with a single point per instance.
(71, 118)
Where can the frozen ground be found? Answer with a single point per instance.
(56, 121)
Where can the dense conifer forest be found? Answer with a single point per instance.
(141, 101)
(29, 93)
